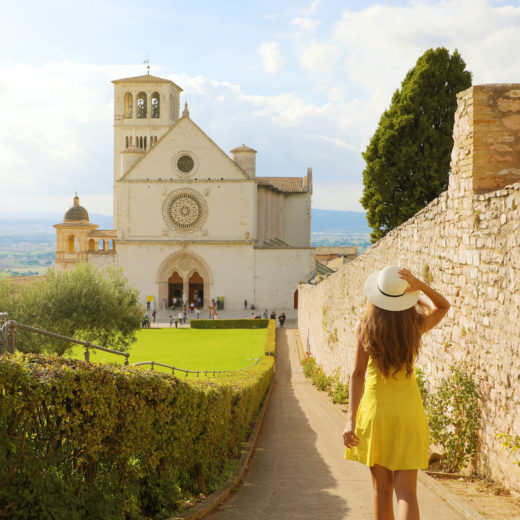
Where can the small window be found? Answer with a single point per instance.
(126, 142)
(101, 245)
(91, 245)
(129, 106)
(141, 105)
(156, 109)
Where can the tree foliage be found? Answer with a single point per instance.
(92, 305)
(408, 158)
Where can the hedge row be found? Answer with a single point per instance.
(229, 324)
(92, 441)
(270, 347)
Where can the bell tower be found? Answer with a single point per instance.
(145, 107)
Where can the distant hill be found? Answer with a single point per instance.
(339, 222)
(340, 227)
(39, 225)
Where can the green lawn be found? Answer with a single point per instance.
(191, 349)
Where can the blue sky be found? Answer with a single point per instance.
(302, 82)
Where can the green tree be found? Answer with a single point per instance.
(92, 305)
(408, 158)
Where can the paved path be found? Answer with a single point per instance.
(298, 471)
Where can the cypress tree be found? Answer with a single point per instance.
(408, 158)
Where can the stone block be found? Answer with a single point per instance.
(511, 122)
(508, 105)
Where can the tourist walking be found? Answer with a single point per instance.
(281, 319)
(387, 428)
(245, 305)
(171, 321)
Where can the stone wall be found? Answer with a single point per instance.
(466, 244)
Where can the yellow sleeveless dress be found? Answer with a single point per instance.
(391, 423)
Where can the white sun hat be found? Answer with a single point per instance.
(386, 290)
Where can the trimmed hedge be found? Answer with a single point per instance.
(229, 324)
(93, 441)
(270, 347)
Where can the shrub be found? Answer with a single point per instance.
(321, 380)
(340, 391)
(511, 442)
(85, 441)
(229, 324)
(86, 303)
(308, 364)
(421, 383)
(270, 346)
(318, 377)
(454, 416)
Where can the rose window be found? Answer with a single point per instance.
(185, 210)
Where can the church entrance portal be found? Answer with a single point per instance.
(174, 287)
(196, 289)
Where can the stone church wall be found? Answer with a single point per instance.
(466, 244)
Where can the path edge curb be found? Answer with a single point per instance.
(211, 502)
(450, 498)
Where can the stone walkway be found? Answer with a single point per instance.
(298, 471)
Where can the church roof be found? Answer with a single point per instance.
(242, 148)
(146, 78)
(76, 212)
(285, 184)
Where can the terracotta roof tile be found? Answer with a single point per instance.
(285, 184)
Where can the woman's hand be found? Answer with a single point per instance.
(350, 439)
(414, 284)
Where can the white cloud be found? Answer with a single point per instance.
(272, 60)
(57, 135)
(337, 196)
(381, 43)
(319, 57)
(306, 25)
(309, 11)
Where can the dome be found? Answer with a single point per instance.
(76, 212)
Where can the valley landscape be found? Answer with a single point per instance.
(28, 242)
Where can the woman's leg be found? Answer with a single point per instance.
(383, 482)
(405, 482)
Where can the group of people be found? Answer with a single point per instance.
(148, 318)
(183, 303)
(257, 315)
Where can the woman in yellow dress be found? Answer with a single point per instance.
(387, 428)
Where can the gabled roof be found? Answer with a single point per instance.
(285, 184)
(242, 148)
(146, 78)
(185, 117)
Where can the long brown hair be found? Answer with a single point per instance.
(392, 338)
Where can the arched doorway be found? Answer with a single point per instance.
(183, 265)
(296, 299)
(196, 289)
(174, 287)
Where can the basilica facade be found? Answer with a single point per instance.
(189, 219)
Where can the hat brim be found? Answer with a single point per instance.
(388, 303)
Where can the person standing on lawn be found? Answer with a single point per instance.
(387, 428)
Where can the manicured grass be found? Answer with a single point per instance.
(191, 349)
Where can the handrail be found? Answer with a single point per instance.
(186, 372)
(12, 325)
